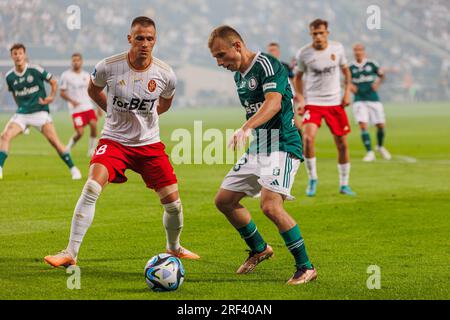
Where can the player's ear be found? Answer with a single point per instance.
(129, 38)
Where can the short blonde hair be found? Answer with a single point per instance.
(226, 33)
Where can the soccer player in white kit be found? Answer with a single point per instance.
(140, 88)
(73, 88)
(318, 94)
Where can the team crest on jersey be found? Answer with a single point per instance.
(368, 68)
(252, 83)
(30, 79)
(151, 85)
(333, 57)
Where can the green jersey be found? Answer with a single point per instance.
(28, 87)
(364, 75)
(267, 74)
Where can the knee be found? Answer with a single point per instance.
(224, 204)
(5, 136)
(174, 208)
(308, 140)
(270, 210)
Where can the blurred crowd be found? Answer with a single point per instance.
(410, 44)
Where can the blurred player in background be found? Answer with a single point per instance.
(265, 169)
(273, 49)
(140, 88)
(73, 88)
(26, 83)
(318, 93)
(367, 108)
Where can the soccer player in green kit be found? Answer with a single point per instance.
(268, 168)
(26, 83)
(367, 108)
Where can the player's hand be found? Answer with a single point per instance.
(47, 100)
(239, 139)
(376, 85)
(75, 103)
(299, 105)
(346, 100)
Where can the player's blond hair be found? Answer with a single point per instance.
(226, 33)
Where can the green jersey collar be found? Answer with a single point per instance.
(251, 65)
(360, 65)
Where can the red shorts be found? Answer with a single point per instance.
(335, 118)
(150, 161)
(82, 119)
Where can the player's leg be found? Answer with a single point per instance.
(380, 121)
(11, 131)
(337, 121)
(48, 130)
(152, 163)
(79, 131)
(309, 136)
(93, 136)
(228, 202)
(343, 164)
(83, 216)
(173, 221)
(272, 205)
(362, 117)
(365, 136)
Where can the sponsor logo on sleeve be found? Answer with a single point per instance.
(270, 85)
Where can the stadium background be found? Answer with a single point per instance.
(413, 42)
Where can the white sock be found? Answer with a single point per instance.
(92, 144)
(344, 174)
(311, 168)
(83, 215)
(173, 222)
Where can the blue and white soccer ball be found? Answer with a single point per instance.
(164, 272)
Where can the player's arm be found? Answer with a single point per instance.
(270, 107)
(299, 99)
(54, 88)
(97, 95)
(381, 78)
(164, 104)
(63, 94)
(347, 85)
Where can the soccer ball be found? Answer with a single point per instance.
(164, 272)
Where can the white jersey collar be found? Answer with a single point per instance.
(23, 72)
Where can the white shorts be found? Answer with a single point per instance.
(36, 119)
(371, 112)
(275, 172)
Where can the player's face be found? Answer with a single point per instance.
(142, 40)
(77, 63)
(227, 56)
(319, 36)
(359, 52)
(274, 51)
(19, 57)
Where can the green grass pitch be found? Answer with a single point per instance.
(399, 220)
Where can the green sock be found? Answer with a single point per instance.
(380, 136)
(296, 246)
(67, 160)
(3, 156)
(366, 140)
(252, 237)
